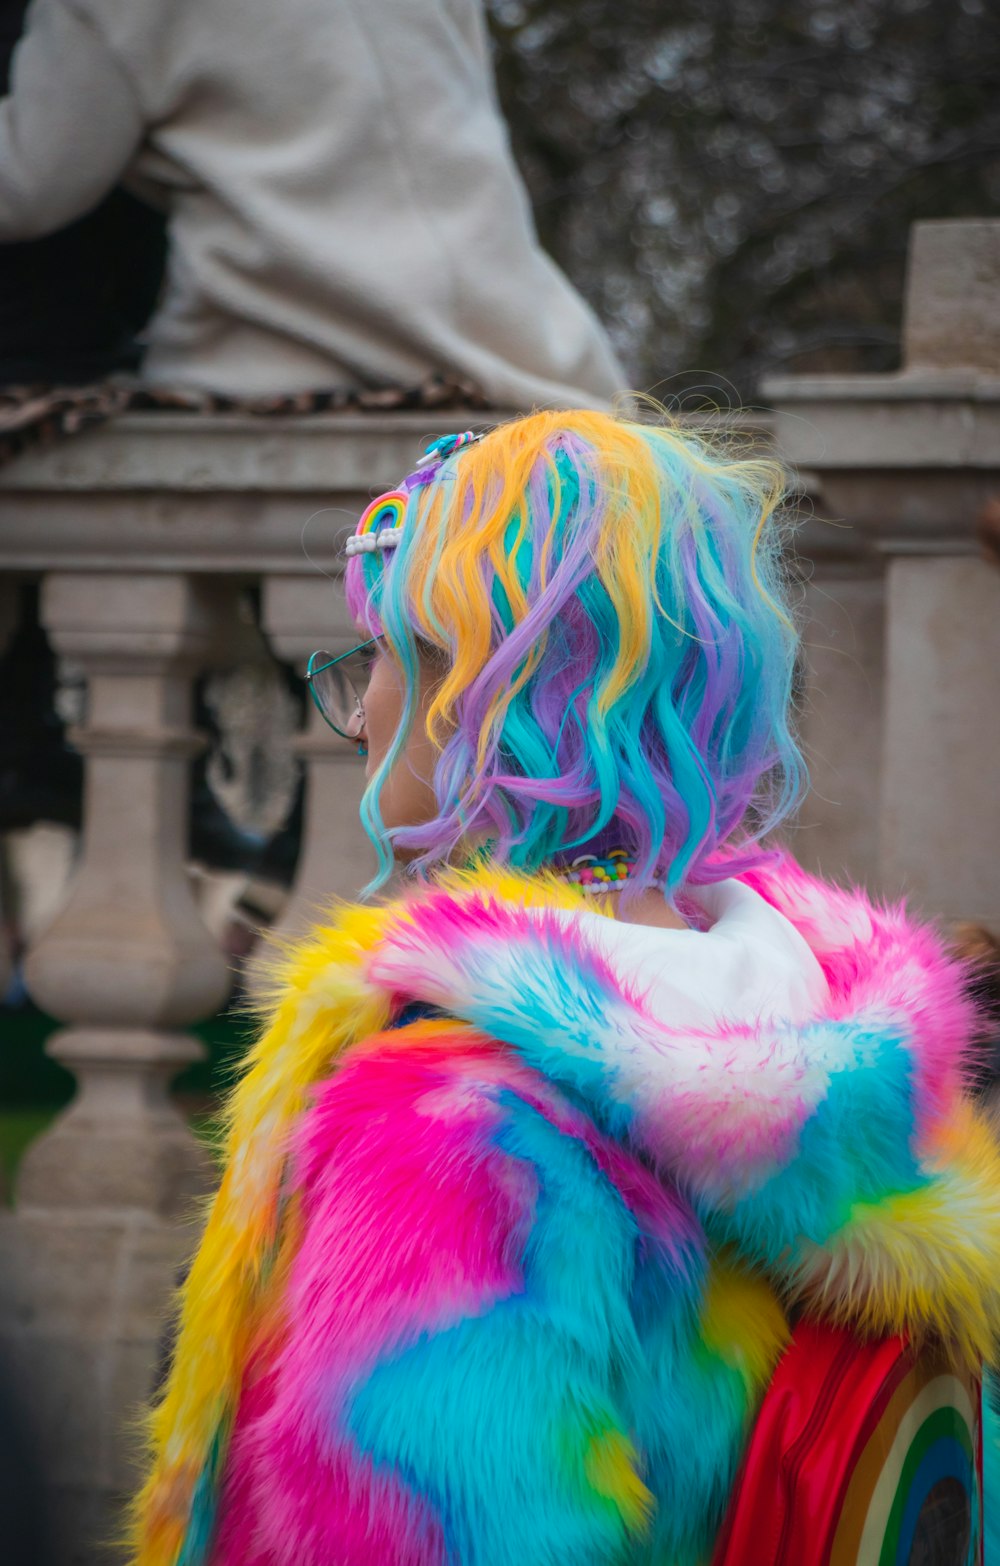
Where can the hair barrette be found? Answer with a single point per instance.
(447, 445)
(381, 523)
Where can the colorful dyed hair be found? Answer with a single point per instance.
(607, 603)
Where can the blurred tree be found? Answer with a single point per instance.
(731, 182)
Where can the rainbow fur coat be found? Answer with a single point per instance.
(501, 1259)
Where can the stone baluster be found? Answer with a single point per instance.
(301, 614)
(127, 966)
(126, 963)
(127, 521)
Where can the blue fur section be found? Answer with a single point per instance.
(855, 1147)
(688, 1411)
(546, 998)
(200, 1530)
(991, 1470)
(492, 1419)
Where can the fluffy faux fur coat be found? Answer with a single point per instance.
(517, 1202)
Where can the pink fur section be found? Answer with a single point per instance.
(440, 923)
(879, 960)
(292, 1497)
(413, 1220)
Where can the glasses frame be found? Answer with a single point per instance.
(313, 669)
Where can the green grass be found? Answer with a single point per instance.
(18, 1127)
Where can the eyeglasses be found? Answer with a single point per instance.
(336, 694)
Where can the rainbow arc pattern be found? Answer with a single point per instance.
(922, 1457)
(385, 511)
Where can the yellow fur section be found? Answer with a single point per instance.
(540, 890)
(321, 1005)
(742, 1322)
(922, 1261)
(610, 1470)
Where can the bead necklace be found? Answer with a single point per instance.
(604, 873)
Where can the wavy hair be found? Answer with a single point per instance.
(607, 601)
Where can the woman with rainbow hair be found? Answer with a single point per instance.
(547, 1167)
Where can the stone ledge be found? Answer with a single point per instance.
(233, 453)
(823, 426)
(181, 451)
(910, 385)
(220, 494)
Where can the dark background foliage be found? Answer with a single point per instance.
(731, 182)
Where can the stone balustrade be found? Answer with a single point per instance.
(143, 532)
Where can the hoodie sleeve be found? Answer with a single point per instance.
(68, 127)
(838, 1152)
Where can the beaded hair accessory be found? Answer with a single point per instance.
(381, 524)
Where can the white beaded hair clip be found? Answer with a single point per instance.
(381, 524)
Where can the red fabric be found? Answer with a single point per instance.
(827, 1396)
(777, 1495)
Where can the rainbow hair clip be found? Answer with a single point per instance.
(381, 524)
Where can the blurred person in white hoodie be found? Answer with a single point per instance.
(343, 207)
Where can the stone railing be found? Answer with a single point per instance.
(143, 535)
(144, 532)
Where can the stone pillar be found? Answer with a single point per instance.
(103, 1196)
(300, 615)
(941, 772)
(905, 465)
(841, 719)
(950, 319)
